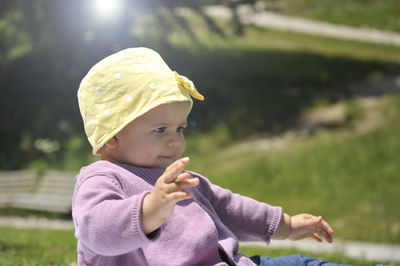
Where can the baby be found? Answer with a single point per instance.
(137, 205)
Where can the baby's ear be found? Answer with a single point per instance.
(111, 143)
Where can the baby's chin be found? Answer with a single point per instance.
(164, 161)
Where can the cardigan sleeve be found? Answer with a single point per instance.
(106, 221)
(248, 219)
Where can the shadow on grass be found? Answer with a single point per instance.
(12, 246)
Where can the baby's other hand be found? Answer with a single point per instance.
(307, 225)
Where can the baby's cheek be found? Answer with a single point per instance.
(182, 149)
(148, 156)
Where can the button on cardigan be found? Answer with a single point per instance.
(106, 209)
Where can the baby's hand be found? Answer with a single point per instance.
(168, 190)
(307, 225)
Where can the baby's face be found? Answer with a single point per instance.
(154, 139)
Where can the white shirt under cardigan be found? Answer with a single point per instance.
(106, 209)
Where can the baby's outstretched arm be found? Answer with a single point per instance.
(159, 204)
(302, 226)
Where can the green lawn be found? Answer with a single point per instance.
(30, 247)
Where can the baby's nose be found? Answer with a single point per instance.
(174, 142)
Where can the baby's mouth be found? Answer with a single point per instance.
(167, 157)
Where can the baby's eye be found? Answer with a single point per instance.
(160, 130)
(180, 129)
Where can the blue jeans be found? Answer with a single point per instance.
(295, 260)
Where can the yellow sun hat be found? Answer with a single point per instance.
(124, 86)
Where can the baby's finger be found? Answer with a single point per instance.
(178, 196)
(173, 170)
(327, 227)
(316, 237)
(317, 220)
(182, 177)
(182, 185)
(326, 235)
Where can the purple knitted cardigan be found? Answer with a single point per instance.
(106, 209)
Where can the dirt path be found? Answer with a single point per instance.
(268, 19)
(36, 222)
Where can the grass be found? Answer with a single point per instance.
(350, 178)
(30, 247)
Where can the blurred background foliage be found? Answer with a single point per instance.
(257, 82)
